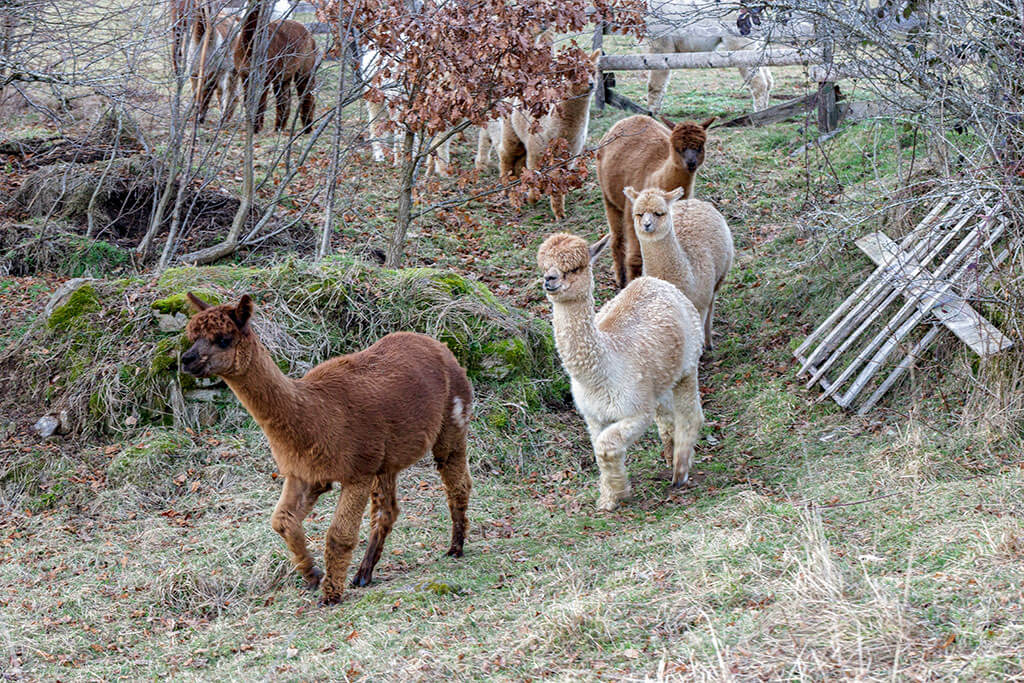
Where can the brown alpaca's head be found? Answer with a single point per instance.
(222, 341)
(565, 260)
(652, 211)
(585, 87)
(688, 140)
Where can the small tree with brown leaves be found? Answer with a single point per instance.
(445, 66)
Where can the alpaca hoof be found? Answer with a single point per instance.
(360, 581)
(326, 601)
(454, 551)
(680, 483)
(607, 504)
(313, 579)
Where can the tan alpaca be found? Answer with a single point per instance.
(357, 419)
(210, 52)
(641, 152)
(687, 243)
(632, 364)
(525, 138)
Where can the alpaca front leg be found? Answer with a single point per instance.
(610, 452)
(634, 265)
(618, 246)
(760, 81)
(297, 499)
(483, 148)
(558, 206)
(374, 111)
(342, 537)
(664, 418)
(689, 416)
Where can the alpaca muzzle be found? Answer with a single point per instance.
(551, 283)
(193, 364)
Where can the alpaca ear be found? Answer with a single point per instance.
(674, 194)
(598, 247)
(242, 312)
(668, 122)
(630, 192)
(595, 57)
(197, 303)
(708, 122)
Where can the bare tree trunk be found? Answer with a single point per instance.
(332, 179)
(396, 247)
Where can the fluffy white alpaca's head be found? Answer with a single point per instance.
(652, 211)
(564, 261)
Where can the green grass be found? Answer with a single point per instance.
(812, 544)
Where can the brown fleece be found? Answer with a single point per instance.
(357, 419)
(291, 56)
(641, 152)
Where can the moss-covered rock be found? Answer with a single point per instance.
(148, 460)
(178, 302)
(70, 314)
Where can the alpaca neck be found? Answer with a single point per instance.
(672, 174)
(665, 259)
(580, 344)
(571, 118)
(270, 396)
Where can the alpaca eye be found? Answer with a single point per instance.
(659, 214)
(223, 342)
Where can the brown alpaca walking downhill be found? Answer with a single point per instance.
(641, 152)
(291, 56)
(357, 419)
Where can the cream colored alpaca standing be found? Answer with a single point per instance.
(632, 364)
(687, 243)
(525, 138)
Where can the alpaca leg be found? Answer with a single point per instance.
(230, 98)
(282, 102)
(610, 452)
(304, 86)
(442, 158)
(688, 418)
(634, 266)
(209, 90)
(454, 471)
(297, 499)
(760, 81)
(511, 154)
(383, 513)
(261, 111)
(483, 148)
(618, 246)
(664, 418)
(342, 537)
(374, 112)
(657, 80)
(558, 206)
(532, 163)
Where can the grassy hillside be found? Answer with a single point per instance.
(811, 544)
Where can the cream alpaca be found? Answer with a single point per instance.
(632, 364)
(524, 138)
(694, 256)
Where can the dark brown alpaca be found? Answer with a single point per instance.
(642, 153)
(357, 419)
(291, 57)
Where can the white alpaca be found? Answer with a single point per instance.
(687, 243)
(488, 139)
(377, 114)
(632, 364)
(699, 26)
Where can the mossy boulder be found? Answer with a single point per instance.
(71, 314)
(147, 461)
(178, 302)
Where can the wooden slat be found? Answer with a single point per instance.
(709, 60)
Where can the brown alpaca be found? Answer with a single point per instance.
(357, 419)
(641, 152)
(291, 56)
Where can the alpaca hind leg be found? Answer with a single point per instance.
(441, 158)
(297, 499)
(664, 418)
(512, 153)
(230, 96)
(610, 452)
(657, 80)
(483, 148)
(558, 206)
(374, 115)
(261, 111)
(342, 537)
(689, 416)
(453, 467)
(383, 513)
(304, 86)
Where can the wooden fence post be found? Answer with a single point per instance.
(598, 44)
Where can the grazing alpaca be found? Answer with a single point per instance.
(209, 53)
(633, 363)
(687, 243)
(524, 138)
(673, 26)
(489, 138)
(641, 152)
(291, 57)
(377, 114)
(358, 419)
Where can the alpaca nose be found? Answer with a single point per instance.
(190, 357)
(691, 166)
(551, 283)
(648, 225)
